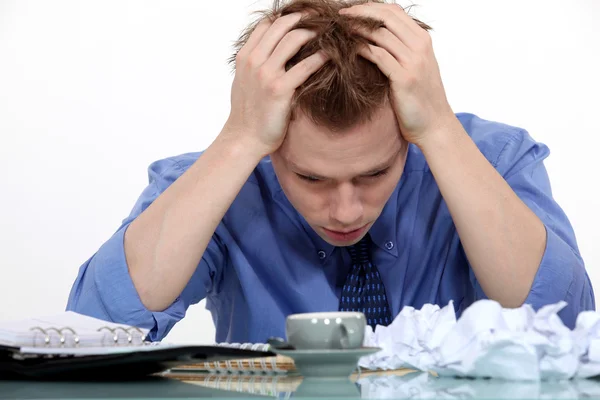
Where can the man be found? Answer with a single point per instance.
(342, 180)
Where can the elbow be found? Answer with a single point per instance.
(513, 303)
(149, 302)
(515, 299)
(515, 293)
(144, 283)
(149, 293)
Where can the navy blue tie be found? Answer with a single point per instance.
(364, 290)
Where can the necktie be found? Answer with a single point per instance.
(364, 290)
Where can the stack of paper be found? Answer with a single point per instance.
(488, 341)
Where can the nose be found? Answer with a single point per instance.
(346, 208)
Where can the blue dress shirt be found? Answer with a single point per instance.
(264, 261)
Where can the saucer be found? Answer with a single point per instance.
(327, 363)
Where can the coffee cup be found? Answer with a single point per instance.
(326, 330)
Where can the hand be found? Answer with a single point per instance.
(404, 53)
(262, 90)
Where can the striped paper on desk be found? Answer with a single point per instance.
(273, 365)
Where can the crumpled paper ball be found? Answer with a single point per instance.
(488, 341)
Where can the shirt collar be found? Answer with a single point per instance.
(319, 243)
(383, 231)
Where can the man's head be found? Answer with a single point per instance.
(343, 153)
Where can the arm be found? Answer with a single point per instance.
(104, 289)
(518, 241)
(506, 224)
(146, 270)
(164, 244)
(503, 239)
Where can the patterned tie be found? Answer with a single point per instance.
(364, 290)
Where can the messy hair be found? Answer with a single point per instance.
(348, 89)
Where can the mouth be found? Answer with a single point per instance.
(345, 236)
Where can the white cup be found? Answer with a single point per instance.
(326, 330)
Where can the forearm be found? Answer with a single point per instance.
(165, 243)
(503, 239)
(103, 289)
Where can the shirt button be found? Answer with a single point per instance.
(389, 245)
(322, 254)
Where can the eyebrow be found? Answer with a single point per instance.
(378, 168)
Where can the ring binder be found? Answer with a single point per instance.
(143, 336)
(67, 336)
(75, 336)
(62, 337)
(47, 336)
(72, 345)
(128, 332)
(60, 331)
(115, 336)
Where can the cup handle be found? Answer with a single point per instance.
(344, 339)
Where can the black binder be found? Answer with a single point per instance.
(122, 366)
(74, 346)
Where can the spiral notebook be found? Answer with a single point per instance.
(267, 365)
(69, 344)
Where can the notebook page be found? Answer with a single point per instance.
(97, 350)
(89, 331)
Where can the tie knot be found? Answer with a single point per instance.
(359, 252)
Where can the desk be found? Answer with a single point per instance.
(371, 386)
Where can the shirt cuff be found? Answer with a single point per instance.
(120, 296)
(560, 270)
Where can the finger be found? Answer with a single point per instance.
(288, 47)
(399, 27)
(300, 72)
(402, 15)
(278, 29)
(257, 34)
(399, 12)
(384, 60)
(385, 39)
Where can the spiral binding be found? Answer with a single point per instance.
(65, 331)
(263, 365)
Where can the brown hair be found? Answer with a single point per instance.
(348, 89)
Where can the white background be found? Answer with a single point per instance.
(91, 92)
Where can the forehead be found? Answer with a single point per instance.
(355, 150)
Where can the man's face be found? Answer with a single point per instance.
(340, 181)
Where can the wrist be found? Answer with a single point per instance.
(239, 145)
(444, 134)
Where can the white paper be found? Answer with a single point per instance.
(89, 351)
(488, 341)
(70, 327)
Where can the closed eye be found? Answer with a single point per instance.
(309, 178)
(313, 179)
(378, 173)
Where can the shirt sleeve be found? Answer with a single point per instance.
(104, 289)
(561, 275)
